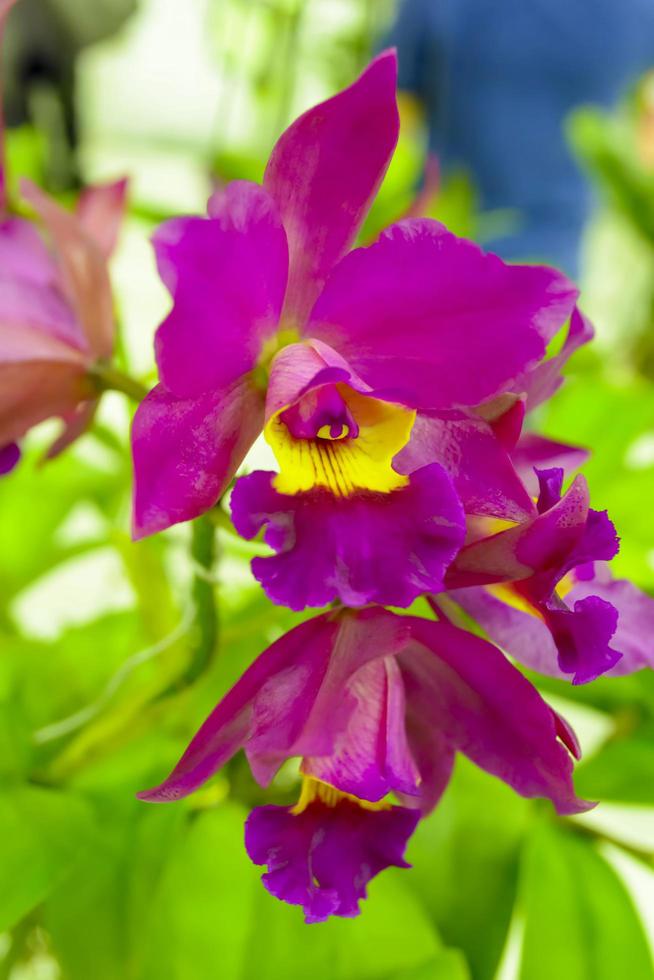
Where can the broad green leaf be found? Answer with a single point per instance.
(611, 420)
(580, 922)
(97, 918)
(200, 915)
(622, 771)
(465, 864)
(44, 835)
(447, 965)
(392, 934)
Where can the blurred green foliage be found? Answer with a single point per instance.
(113, 653)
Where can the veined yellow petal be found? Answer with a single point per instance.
(315, 789)
(342, 464)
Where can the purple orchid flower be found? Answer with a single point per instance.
(372, 703)
(529, 567)
(338, 355)
(56, 315)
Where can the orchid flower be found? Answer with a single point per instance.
(531, 566)
(373, 704)
(338, 355)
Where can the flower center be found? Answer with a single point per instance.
(339, 439)
(315, 789)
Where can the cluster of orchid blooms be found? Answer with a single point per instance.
(391, 382)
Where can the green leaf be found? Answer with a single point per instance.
(201, 912)
(448, 965)
(97, 920)
(622, 771)
(392, 934)
(43, 835)
(465, 860)
(580, 922)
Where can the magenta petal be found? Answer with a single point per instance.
(227, 276)
(475, 459)
(324, 172)
(323, 858)
(186, 451)
(520, 634)
(434, 319)
(9, 458)
(542, 546)
(274, 695)
(299, 367)
(372, 757)
(368, 547)
(293, 701)
(540, 384)
(489, 711)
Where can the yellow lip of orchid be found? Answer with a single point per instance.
(315, 789)
(344, 463)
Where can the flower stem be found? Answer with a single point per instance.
(110, 378)
(205, 631)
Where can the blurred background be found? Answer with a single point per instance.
(527, 126)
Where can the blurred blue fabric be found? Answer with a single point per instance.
(498, 78)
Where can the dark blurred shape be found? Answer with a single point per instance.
(497, 79)
(43, 39)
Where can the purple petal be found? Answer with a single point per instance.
(367, 547)
(534, 451)
(542, 545)
(83, 270)
(633, 636)
(556, 642)
(227, 276)
(398, 310)
(582, 636)
(324, 172)
(486, 709)
(186, 452)
(276, 693)
(482, 471)
(550, 486)
(372, 757)
(9, 458)
(323, 858)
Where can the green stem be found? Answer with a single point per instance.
(109, 378)
(205, 632)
